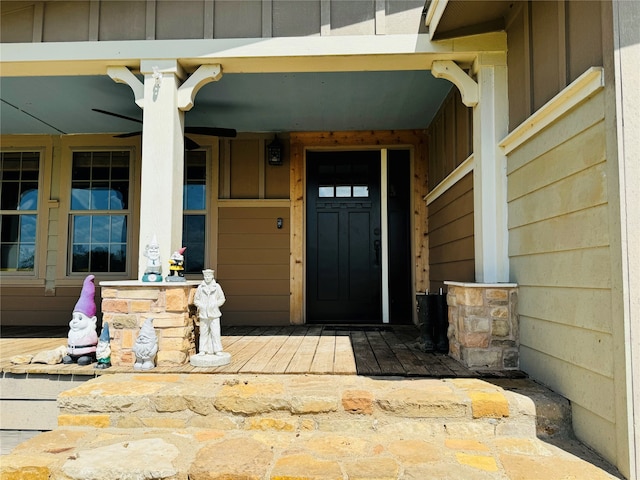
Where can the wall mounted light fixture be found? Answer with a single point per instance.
(274, 152)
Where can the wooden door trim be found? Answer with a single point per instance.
(416, 140)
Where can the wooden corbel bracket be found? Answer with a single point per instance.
(124, 75)
(450, 70)
(188, 90)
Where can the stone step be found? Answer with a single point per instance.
(295, 427)
(299, 403)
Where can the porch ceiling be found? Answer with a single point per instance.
(248, 102)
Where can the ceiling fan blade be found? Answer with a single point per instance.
(127, 135)
(213, 131)
(117, 115)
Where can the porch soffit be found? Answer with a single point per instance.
(343, 83)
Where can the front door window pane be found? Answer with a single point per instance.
(343, 191)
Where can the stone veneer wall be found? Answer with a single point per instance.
(126, 305)
(483, 325)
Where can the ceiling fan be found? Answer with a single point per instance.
(188, 143)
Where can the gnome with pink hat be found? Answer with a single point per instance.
(83, 339)
(176, 266)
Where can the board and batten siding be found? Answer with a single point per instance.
(450, 214)
(559, 249)
(107, 20)
(253, 264)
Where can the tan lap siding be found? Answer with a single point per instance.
(451, 239)
(253, 265)
(30, 306)
(560, 258)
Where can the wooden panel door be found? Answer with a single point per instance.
(343, 237)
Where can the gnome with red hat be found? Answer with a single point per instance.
(83, 339)
(176, 266)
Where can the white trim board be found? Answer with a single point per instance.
(583, 87)
(454, 177)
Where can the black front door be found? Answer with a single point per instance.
(344, 252)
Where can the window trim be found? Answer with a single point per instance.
(44, 168)
(92, 144)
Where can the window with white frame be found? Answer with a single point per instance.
(18, 210)
(194, 210)
(100, 211)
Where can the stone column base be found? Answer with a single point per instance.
(127, 304)
(483, 325)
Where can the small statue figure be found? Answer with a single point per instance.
(103, 351)
(153, 272)
(209, 298)
(176, 266)
(146, 346)
(82, 339)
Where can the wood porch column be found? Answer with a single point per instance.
(164, 99)
(487, 95)
(162, 160)
(490, 126)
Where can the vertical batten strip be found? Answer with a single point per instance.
(267, 19)
(325, 18)
(94, 20)
(209, 16)
(38, 22)
(150, 24)
(381, 16)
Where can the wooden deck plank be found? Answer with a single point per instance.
(323, 359)
(344, 361)
(387, 361)
(265, 349)
(366, 362)
(301, 363)
(390, 350)
(283, 357)
(246, 348)
(411, 364)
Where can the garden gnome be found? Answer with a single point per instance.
(146, 346)
(82, 339)
(153, 272)
(176, 266)
(209, 298)
(103, 351)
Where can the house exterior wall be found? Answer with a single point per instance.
(82, 21)
(550, 44)
(451, 237)
(560, 256)
(253, 263)
(562, 216)
(450, 215)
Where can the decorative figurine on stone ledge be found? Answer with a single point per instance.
(82, 338)
(176, 266)
(153, 272)
(146, 346)
(209, 298)
(103, 351)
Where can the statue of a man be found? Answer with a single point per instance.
(209, 298)
(83, 339)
